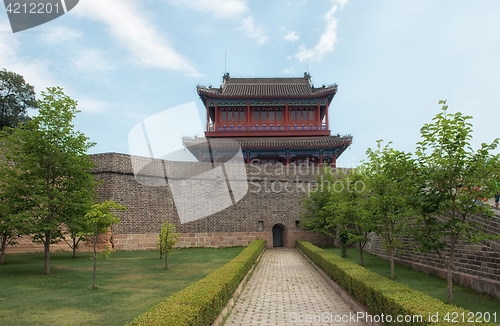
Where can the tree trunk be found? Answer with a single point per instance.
(343, 244)
(95, 263)
(449, 279)
(2, 255)
(391, 248)
(2, 249)
(361, 254)
(74, 248)
(166, 248)
(449, 270)
(391, 259)
(46, 246)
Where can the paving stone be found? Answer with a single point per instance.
(286, 290)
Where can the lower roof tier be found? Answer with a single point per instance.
(199, 145)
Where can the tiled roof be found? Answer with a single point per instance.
(257, 88)
(271, 142)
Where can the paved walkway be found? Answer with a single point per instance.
(491, 202)
(285, 289)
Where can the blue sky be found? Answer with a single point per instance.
(393, 60)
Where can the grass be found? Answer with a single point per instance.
(129, 283)
(433, 286)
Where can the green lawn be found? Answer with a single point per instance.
(431, 285)
(129, 283)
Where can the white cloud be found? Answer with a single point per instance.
(92, 65)
(60, 34)
(92, 61)
(328, 38)
(34, 71)
(289, 71)
(291, 37)
(236, 10)
(219, 8)
(92, 106)
(295, 3)
(249, 28)
(132, 28)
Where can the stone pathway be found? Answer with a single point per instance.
(491, 202)
(285, 289)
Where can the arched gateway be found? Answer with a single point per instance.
(277, 235)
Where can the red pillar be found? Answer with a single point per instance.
(334, 161)
(249, 114)
(326, 114)
(287, 115)
(216, 117)
(318, 116)
(208, 117)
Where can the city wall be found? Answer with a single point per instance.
(477, 265)
(274, 197)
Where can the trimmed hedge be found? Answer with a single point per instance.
(201, 302)
(380, 295)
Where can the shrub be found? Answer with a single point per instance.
(382, 296)
(202, 302)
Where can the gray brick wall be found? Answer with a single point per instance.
(274, 196)
(477, 265)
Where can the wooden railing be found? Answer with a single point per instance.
(268, 127)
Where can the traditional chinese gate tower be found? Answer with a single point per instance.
(275, 120)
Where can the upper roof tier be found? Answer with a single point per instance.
(267, 88)
(263, 143)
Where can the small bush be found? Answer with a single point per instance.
(202, 302)
(380, 295)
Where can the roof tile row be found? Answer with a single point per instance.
(235, 88)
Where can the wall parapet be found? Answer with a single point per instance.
(476, 265)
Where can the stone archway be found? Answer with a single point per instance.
(278, 235)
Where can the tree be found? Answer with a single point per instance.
(12, 223)
(345, 208)
(52, 168)
(450, 177)
(78, 230)
(349, 209)
(16, 96)
(75, 225)
(315, 216)
(167, 238)
(337, 206)
(387, 174)
(100, 218)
